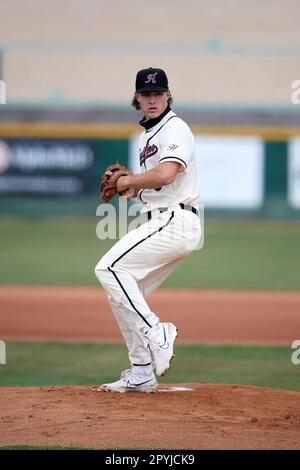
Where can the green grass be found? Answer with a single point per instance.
(55, 364)
(236, 255)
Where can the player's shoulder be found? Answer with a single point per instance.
(176, 121)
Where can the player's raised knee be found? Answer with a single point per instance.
(101, 271)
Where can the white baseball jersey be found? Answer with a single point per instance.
(170, 140)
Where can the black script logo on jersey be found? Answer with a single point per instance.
(147, 152)
(172, 147)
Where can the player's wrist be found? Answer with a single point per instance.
(122, 183)
(126, 181)
(129, 181)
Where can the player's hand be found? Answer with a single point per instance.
(109, 179)
(122, 184)
(124, 189)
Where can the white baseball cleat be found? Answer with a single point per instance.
(161, 339)
(131, 383)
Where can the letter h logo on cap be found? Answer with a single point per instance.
(151, 80)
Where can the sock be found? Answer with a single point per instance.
(153, 332)
(141, 371)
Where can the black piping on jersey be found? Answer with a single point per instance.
(125, 253)
(147, 143)
(176, 158)
(140, 195)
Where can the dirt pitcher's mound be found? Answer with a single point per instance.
(193, 416)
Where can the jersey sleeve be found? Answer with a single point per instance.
(177, 144)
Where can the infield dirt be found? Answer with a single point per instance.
(207, 417)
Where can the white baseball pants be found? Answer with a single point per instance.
(137, 264)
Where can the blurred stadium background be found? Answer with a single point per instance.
(69, 67)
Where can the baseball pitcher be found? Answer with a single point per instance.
(168, 187)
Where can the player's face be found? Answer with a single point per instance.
(153, 104)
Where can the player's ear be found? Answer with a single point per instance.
(137, 96)
(169, 94)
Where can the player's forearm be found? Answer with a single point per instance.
(151, 179)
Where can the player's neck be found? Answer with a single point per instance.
(148, 123)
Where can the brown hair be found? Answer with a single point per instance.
(136, 104)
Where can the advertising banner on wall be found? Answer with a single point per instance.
(294, 173)
(45, 167)
(231, 171)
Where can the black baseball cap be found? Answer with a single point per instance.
(151, 79)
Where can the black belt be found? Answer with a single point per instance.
(182, 206)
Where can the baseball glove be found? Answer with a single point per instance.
(109, 180)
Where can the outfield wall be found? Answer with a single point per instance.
(53, 169)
